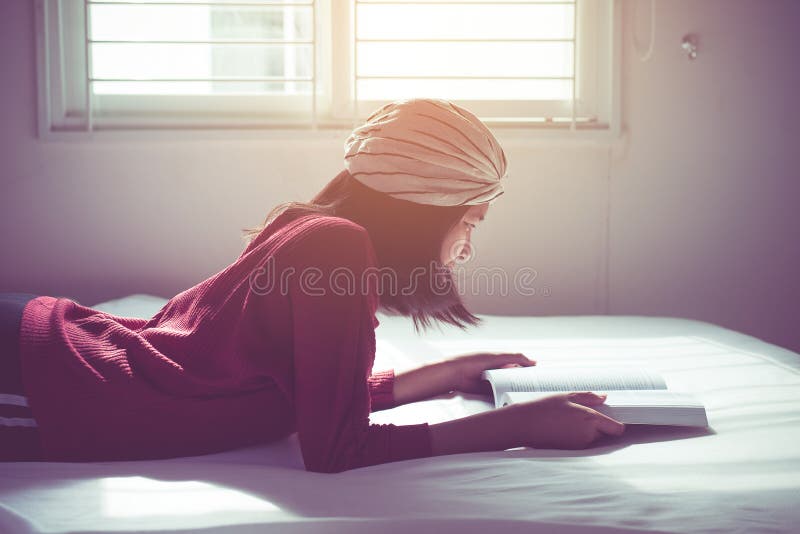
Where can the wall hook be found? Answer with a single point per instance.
(689, 44)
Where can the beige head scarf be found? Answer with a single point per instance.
(427, 151)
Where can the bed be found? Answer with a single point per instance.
(740, 475)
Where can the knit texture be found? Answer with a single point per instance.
(230, 362)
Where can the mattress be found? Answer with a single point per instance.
(740, 475)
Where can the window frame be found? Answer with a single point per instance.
(62, 56)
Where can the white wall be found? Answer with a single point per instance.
(704, 218)
(693, 216)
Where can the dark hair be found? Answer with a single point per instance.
(406, 236)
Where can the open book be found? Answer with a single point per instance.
(635, 395)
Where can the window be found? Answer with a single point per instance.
(126, 64)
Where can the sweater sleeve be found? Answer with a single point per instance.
(334, 349)
(381, 390)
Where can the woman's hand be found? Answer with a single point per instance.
(564, 421)
(466, 369)
(558, 421)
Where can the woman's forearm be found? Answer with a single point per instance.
(494, 430)
(424, 382)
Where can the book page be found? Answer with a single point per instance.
(554, 379)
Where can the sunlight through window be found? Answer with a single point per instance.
(465, 51)
(148, 48)
(262, 64)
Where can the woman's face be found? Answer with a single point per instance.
(457, 245)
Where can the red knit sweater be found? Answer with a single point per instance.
(227, 363)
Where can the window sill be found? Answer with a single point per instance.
(560, 134)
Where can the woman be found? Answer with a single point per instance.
(283, 339)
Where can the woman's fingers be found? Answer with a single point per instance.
(497, 360)
(606, 425)
(509, 359)
(524, 360)
(587, 398)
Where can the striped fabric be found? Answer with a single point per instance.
(13, 400)
(19, 432)
(427, 151)
(17, 421)
(14, 411)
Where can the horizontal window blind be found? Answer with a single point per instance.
(465, 50)
(191, 49)
(261, 63)
(201, 48)
(510, 61)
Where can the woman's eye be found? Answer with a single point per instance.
(470, 225)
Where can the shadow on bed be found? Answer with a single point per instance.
(273, 475)
(235, 493)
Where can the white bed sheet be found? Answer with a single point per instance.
(741, 476)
